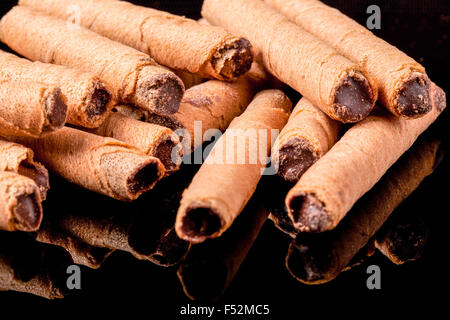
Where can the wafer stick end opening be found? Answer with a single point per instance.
(233, 59)
(97, 103)
(308, 213)
(295, 157)
(200, 223)
(56, 109)
(144, 178)
(413, 98)
(170, 153)
(27, 213)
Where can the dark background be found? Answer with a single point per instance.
(419, 28)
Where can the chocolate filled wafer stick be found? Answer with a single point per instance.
(30, 109)
(317, 258)
(20, 203)
(102, 165)
(171, 40)
(151, 139)
(231, 172)
(87, 98)
(210, 267)
(307, 136)
(19, 159)
(189, 79)
(327, 191)
(402, 82)
(330, 81)
(132, 76)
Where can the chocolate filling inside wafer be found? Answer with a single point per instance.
(97, 102)
(295, 157)
(309, 213)
(143, 179)
(200, 222)
(56, 109)
(164, 153)
(233, 59)
(353, 99)
(39, 177)
(27, 213)
(413, 98)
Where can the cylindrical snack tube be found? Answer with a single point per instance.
(327, 191)
(402, 82)
(103, 165)
(30, 109)
(210, 267)
(152, 139)
(189, 79)
(20, 159)
(307, 136)
(330, 81)
(171, 40)
(132, 76)
(88, 100)
(315, 258)
(231, 172)
(20, 203)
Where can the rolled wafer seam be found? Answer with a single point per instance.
(87, 98)
(132, 76)
(20, 159)
(206, 50)
(319, 201)
(403, 84)
(333, 83)
(20, 203)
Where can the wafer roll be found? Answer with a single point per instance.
(30, 109)
(132, 76)
(87, 99)
(307, 136)
(171, 40)
(327, 191)
(189, 79)
(102, 165)
(318, 258)
(230, 174)
(19, 159)
(402, 82)
(20, 203)
(330, 81)
(153, 140)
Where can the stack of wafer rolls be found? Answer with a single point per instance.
(30, 109)
(330, 81)
(132, 76)
(402, 82)
(307, 136)
(171, 40)
(324, 194)
(230, 174)
(153, 140)
(102, 165)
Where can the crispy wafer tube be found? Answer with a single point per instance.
(132, 76)
(230, 174)
(102, 165)
(315, 258)
(30, 109)
(189, 79)
(211, 105)
(151, 139)
(402, 82)
(307, 136)
(330, 81)
(87, 99)
(20, 203)
(171, 40)
(210, 267)
(327, 191)
(19, 159)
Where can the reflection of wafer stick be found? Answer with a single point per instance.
(132, 76)
(307, 136)
(210, 267)
(227, 180)
(402, 82)
(316, 258)
(171, 40)
(331, 82)
(103, 165)
(151, 139)
(327, 191)
(30, 109)
(20, 203)
(87, 98)
(19, 159)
